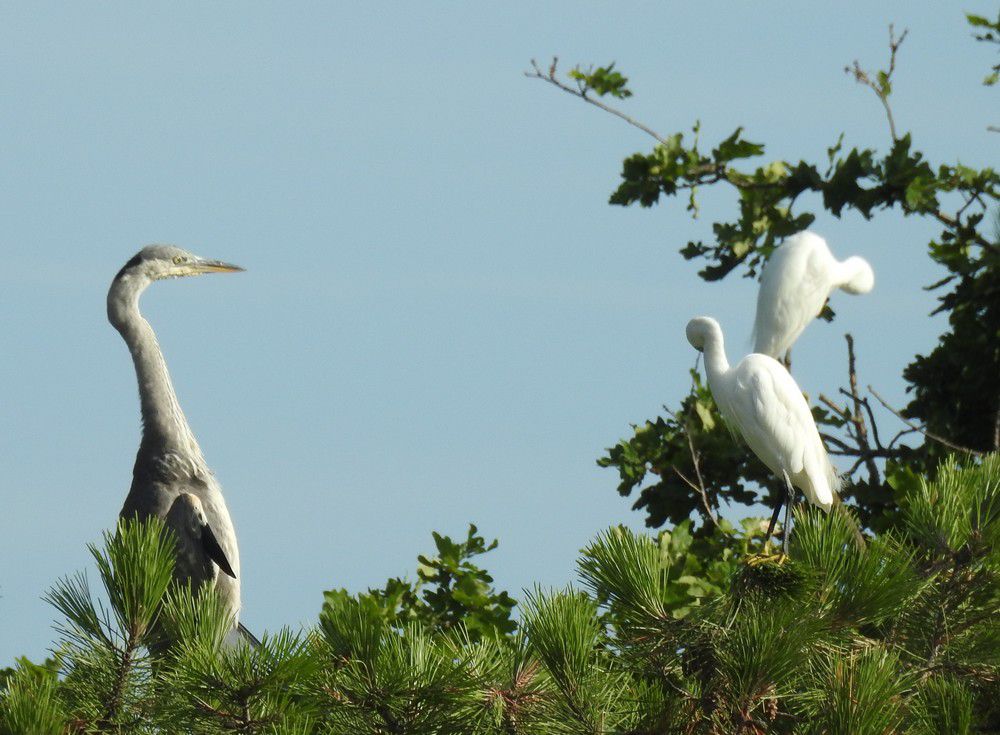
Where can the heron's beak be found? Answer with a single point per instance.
(215, 266)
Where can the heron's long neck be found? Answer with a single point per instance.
(163, 421)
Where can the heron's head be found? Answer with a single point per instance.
(701, 330)
(154, 262)
(861, 278)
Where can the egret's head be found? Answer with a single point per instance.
(701, 330)
(154, 262)
(861, 277)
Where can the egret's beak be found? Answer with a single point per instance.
(215, 266)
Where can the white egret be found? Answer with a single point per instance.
(760, 399)
(796, 282)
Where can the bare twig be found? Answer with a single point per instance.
(855, 425)
(882, 88)
(868, 409)
(900, 435)
(843, 447)
(581, 92)
(699, 487)
(703, 174)
(701, 482)
(921, 429)
(856, 418)
(824, 399)
(949, 221)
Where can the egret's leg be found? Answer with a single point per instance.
(789, 502)
(774, 520)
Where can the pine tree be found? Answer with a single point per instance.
(892, 633)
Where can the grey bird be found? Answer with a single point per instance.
(171, 479)
(200, 557)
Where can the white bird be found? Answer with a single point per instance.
(760, 398)
(796, 282)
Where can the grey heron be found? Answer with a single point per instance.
(170, 479)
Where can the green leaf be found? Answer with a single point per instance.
(705, 414)
(735, 147)
(604, 81)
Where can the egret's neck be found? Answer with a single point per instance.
(163, 421)
(716, 364)
(846, 271)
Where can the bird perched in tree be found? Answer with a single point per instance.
(760, 399)
(170, 479)
(200, 557)
(795, 284)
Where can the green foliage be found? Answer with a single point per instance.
(450, 591)
(603, 80)
(207, 684)
(955, 388)
(665, 577)
(661, 448)
(108, 673)
(942, 704)
(891, 634)
(989, 34)
(860, 693)
(380, 679)
(30, 700)
(855, 582)
(695, 631)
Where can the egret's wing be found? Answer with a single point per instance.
(793, 289)
(779, 427)
(772, 413)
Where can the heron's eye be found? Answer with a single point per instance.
(178, 259)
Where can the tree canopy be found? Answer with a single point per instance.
(687, 462)
(882, 619)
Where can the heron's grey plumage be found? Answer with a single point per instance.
(169, 464)
(200, 557)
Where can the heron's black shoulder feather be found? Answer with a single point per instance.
(134, 261)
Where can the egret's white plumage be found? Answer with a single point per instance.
(761, 399)
(796, 282)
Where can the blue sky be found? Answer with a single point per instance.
(442, 320)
